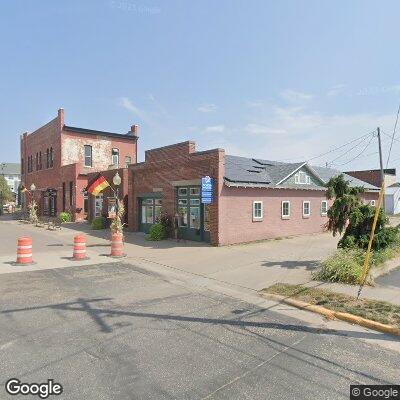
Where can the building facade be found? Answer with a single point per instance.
(12, 174)
(56, 160)
(252, 199)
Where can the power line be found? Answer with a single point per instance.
(394, 134)
(347, 151)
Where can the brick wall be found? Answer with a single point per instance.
(179, 162)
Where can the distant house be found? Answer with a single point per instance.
(12, 175)
(392, 186)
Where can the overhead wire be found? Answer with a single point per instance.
(393, 136)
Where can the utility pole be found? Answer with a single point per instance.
(381, 161)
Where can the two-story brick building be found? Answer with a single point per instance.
(57, 158)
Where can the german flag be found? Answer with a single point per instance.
(98, 186)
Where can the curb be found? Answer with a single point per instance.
(330, 314)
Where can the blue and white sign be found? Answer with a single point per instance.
(207, 190)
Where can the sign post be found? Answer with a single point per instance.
(207, 190)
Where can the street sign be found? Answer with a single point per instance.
(207, 190)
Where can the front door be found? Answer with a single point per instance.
(149, 212)
(193, 216)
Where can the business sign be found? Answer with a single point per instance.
(207, 190)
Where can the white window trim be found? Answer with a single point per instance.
(285, 216)
(297, 178)
(309, 208)
(262, 210)
(324, 214)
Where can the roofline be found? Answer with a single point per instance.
(95, 132)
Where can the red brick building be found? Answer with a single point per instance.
(57, 159)
(253, 199)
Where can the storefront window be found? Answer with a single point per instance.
(194, 202)
(195, 217)
(182, 192)
(183, 216)
(194, 191)
(98, 205)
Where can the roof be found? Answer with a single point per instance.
(101, 133)
(266, 173)
(10, 169)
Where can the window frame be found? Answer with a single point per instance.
(116, 150)
(307, 179)
(88, 146)
(288, 203)
(255, 217)
(324, 213)
(309, 208)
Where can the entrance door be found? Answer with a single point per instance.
(150, 210)
(98, 205)
(193, 216)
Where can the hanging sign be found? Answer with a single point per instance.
(207, 190)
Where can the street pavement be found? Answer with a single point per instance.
(123, 331)
(392, 279)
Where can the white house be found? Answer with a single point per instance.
(12, 175)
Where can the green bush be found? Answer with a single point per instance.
(99, 223)
(345, 265)
(65, 217)
(157, 232)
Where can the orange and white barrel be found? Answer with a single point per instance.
(79, 247)
(24, 250)
(117, 245)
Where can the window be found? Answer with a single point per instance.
(98, 205)
(157, 208)
(324, 207)
(182, 192)
(115, 157)
(71, 193)
(194, 202)
(285, 209)
(302, 178)
(47, 158)
(372, 203)
(51, 157)
(40, 160)
(257, 210)
(195, 217)
(128, 161)
(88, 156)
(306, 209)
(37, 161)
(194, 191)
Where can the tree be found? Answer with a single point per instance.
(346, 201)
(5, 192)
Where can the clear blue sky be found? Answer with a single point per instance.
(271, 79)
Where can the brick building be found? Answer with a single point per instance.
(253, 199)
(57, 159)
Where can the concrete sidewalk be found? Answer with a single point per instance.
(249, 266)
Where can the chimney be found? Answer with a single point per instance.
(61, 117)
(134, 131)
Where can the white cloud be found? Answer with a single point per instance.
(260, 129)
(207, 108)
(215, 129)
(126, 103)
(293, 96)
(336, 90)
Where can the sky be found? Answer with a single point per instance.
(279, 80)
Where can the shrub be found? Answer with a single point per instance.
(345, 265)
(65, 217)
(99, 223)
(157, 232)
(167, 222)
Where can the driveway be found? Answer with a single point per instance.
(119, 331)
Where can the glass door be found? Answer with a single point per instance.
(150, 211)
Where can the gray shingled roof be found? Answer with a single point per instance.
(266, 173)
(10, 168)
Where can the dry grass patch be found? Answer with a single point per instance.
(379, 311)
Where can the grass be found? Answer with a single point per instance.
(379, 311)
(346, 265)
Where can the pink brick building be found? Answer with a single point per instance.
(252, 199)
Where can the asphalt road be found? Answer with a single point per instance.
(116, 331)
(390, 279)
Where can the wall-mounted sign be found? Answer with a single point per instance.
(207, 190)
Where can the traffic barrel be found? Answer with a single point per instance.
(24, 250)
(117, 245)
(79, 247)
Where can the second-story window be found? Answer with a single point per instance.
(37, 161)
(40, 160)
(47, 158)
(115, 157)
(128, 160)
(88, 156)
(51, 157)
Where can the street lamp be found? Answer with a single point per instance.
(33, 187)
(117, 182)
